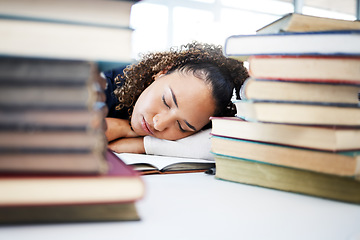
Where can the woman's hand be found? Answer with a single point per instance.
(122, 138)
(118, 128)
(128, 145)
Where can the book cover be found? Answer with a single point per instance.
(312, 137)
(301, 68)
(109, 197)
(299, 113)
(327, 186)
(41, 39)
(340, 163)
(120, 183)
(299, 91)
(100, 212)
(97, 13)
(301, 43)
(297, 22)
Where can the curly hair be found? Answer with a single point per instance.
(197, 58)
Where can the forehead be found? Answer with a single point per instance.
(185, 84)
(193, 95)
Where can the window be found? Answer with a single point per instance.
(161, 24)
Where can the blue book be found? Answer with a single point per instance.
(294, 43)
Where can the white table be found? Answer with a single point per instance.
(198, 206)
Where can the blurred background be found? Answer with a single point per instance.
(161, 24)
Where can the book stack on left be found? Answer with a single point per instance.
(54, 162)
(298, 124)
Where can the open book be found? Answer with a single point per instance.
(153, 164)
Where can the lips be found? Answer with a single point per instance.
(146, 127)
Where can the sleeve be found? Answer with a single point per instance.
(195, 146)
(111, 99)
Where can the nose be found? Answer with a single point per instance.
(163, 120)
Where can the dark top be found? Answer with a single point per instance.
(111, 99)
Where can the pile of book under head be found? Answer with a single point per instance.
(297, 126)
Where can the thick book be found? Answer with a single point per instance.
(299, 113)
(310, 92)
(340, 163)
(302, 43)
(313, 137)
(49, 83)
(101, 13)
(322, 69)
(151, 164)
(100, 212)
(46, 140)
(53, 119)
(120, 183)
(43, 39)
(327, 186)
(110, 197)
(297, 22)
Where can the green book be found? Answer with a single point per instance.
(322, 185)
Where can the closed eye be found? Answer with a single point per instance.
(164, 101)
(181, 129)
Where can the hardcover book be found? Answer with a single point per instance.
(339, 163)
(299, 113)
(328, 186)
(312, 137)
(299, 91)
(70, 198)
(296, 22)
(303, 43)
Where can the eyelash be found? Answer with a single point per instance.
(165, 103)
(181, 129)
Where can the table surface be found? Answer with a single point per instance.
(198, 206)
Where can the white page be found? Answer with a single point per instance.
(158, 161)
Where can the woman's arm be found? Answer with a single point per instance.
(195, 146)
(118, 128)
(128, 145)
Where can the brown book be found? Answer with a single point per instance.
(339, 163)
(298, 91)
(288, 179)
(309, 69)
(106, 197)
(312, 137)
(51, 116)
(103, 13)
(296, 22)
(299, 113)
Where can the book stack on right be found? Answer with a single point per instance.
(298, 124)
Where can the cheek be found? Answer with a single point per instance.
(145, 103)
(173, 134)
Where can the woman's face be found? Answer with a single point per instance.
(174, 106)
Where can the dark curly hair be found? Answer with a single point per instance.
(205, 61)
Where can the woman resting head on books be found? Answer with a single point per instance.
(170, 95)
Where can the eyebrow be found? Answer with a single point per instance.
(175, 101)
(174, 98)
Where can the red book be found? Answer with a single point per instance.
(48, 198)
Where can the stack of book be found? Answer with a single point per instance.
(298, 124)
(54, 162)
